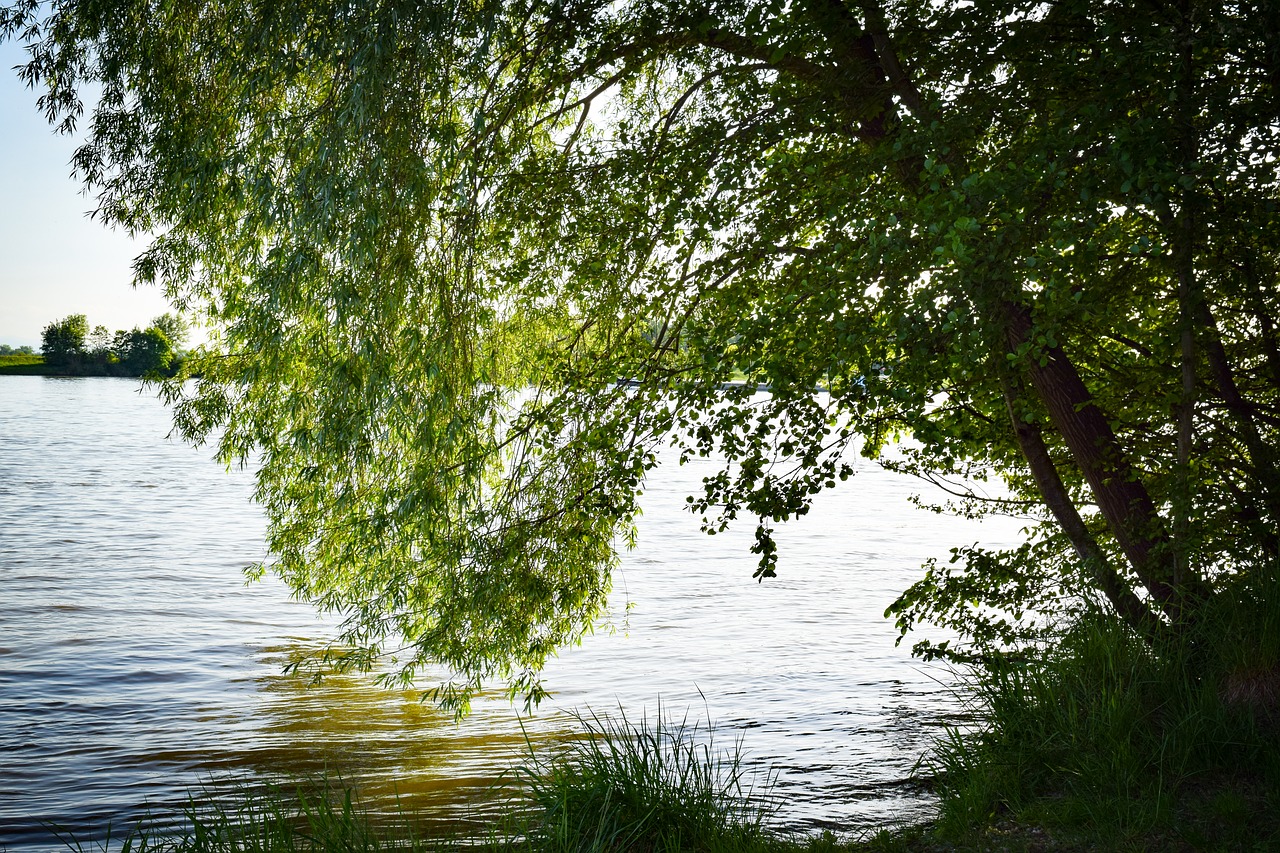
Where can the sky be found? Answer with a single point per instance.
(54, 260)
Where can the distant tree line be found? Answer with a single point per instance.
(5, 349)
(71, 348)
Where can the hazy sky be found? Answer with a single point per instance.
(54, 261)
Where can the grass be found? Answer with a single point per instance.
(1101, 744)
(22, 365)
(258, 818)
(1104, 743)
(647, 787)
(652, 786)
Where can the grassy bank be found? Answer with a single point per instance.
(663, 787)
(22, 365)
(1101, 743)
(34, 365)
(1106, 743)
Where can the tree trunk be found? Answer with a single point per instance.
(1125, 504)
(1056, 497)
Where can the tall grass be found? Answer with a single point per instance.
(649, 786)
(652, 786)
(1105, 738)
(264, 818)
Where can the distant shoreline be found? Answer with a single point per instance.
(34, 365)
(23, 365)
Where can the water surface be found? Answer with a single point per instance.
(135, 663)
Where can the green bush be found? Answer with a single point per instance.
(1102, 736)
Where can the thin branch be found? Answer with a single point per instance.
(679, 105)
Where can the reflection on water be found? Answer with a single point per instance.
(405, 753)
(135, 663)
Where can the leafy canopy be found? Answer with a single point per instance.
(62, 340)
(1039, 238)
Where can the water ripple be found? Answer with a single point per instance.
(137, 665)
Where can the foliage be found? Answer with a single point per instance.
(5, 349)
(174, 327)
(100, 344)
(432, 237)
(62, 341)
(71, 349)
(1103, 737)
(143, 352)
(658, 785)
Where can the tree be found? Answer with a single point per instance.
(1038, 238)
(99, 345)
(143, 352)
(63, 342)
(174, 328)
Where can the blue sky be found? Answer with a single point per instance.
(54, 260)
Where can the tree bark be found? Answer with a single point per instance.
(1126, 505)
(1135, 613)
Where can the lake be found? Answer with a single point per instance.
(136, 664)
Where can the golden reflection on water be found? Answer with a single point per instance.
(397, 750)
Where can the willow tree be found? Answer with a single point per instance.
(432, 237)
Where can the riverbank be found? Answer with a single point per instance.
(294, 820)
(662, 787)
(35, 365)
(1101, 745)
(23, 365)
